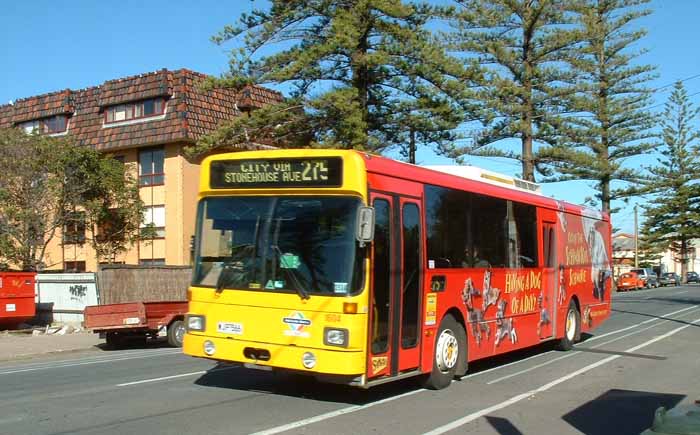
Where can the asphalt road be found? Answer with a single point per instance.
(646, 355)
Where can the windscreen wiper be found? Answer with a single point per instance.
(303, 294)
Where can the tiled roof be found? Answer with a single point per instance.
(191, 111)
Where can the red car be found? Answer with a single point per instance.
(629, 281)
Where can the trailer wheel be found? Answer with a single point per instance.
(176, 333)
(448, 344)
(572, 327)
(115, 340)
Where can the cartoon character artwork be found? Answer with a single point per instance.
(468, 292)
(476, 317)
(479, 325)
(600, 264)
(544, 314)
(561, 216)
(561, 295)
(504, 327)
(491, 294)
(587, 317)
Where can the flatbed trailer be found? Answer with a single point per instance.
(137, 321)
(17, 294)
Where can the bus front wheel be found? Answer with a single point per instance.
(572, 327)
(449, 345)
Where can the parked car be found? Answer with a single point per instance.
(692, 277)
(670, 278)
(629, 281)
(648, 276)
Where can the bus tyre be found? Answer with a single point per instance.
(572, 327)
(176, 333)
(448, 344)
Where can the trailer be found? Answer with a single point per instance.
(16, 298)
(136, 322)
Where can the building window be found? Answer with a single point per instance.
(74, 266)
(151, 167)
(152, 262)
(153, 225)
(137, 110)
(51, 125)
(74, 229)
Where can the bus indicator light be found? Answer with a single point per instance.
(349, 308)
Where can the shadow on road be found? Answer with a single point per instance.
(502, 426)
(684, 322)
(304, 386)
(619, 412)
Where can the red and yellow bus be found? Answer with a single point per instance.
(361, 270)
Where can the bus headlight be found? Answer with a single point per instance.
(336, 337)
(195, 322)
(308, 360)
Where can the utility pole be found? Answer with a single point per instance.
(636, 239)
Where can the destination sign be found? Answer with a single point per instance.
(300, 172)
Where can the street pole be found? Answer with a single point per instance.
(636, 239)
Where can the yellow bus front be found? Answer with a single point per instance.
(280, 278)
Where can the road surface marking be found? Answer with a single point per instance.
(84, 363)
(326, 416)
(576, 352)
(471, 417)
(594, 338)
(355, 408)
(50, 364)
(165, 378)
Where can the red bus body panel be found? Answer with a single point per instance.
(583, 252)
(16, 298)
(133, 315)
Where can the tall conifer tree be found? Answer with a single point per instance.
(611, 122)
(360, 71)
(672, 217)
(522, 44)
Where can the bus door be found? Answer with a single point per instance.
(394, 331)
(550, 280)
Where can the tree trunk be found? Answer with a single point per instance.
(684, 260)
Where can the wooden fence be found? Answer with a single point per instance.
(126, 283)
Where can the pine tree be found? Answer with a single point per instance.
(522, 44)
(611, 121)
(363, 74)
(672, 217)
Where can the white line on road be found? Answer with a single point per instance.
(101, 361)
(332, 414)
(355, 408)
(471, 417)
(576, 352)
(594, 338)
(164, 378)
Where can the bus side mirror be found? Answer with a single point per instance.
(364, 227)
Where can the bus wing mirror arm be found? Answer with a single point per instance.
(364, 226)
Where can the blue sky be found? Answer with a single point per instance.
(83, 43)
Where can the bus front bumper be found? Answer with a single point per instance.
(331, 362)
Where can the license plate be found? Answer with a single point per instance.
(230, 328)
(132, 321)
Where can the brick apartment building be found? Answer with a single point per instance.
(146, 121)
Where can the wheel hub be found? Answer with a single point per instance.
(447, 351)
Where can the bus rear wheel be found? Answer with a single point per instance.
(450, 344)
(572, 327)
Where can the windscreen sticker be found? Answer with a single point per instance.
(340, 287)
(289, 261)
(279, 284)
(254, 285)
(296, 323)
(270, 285)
